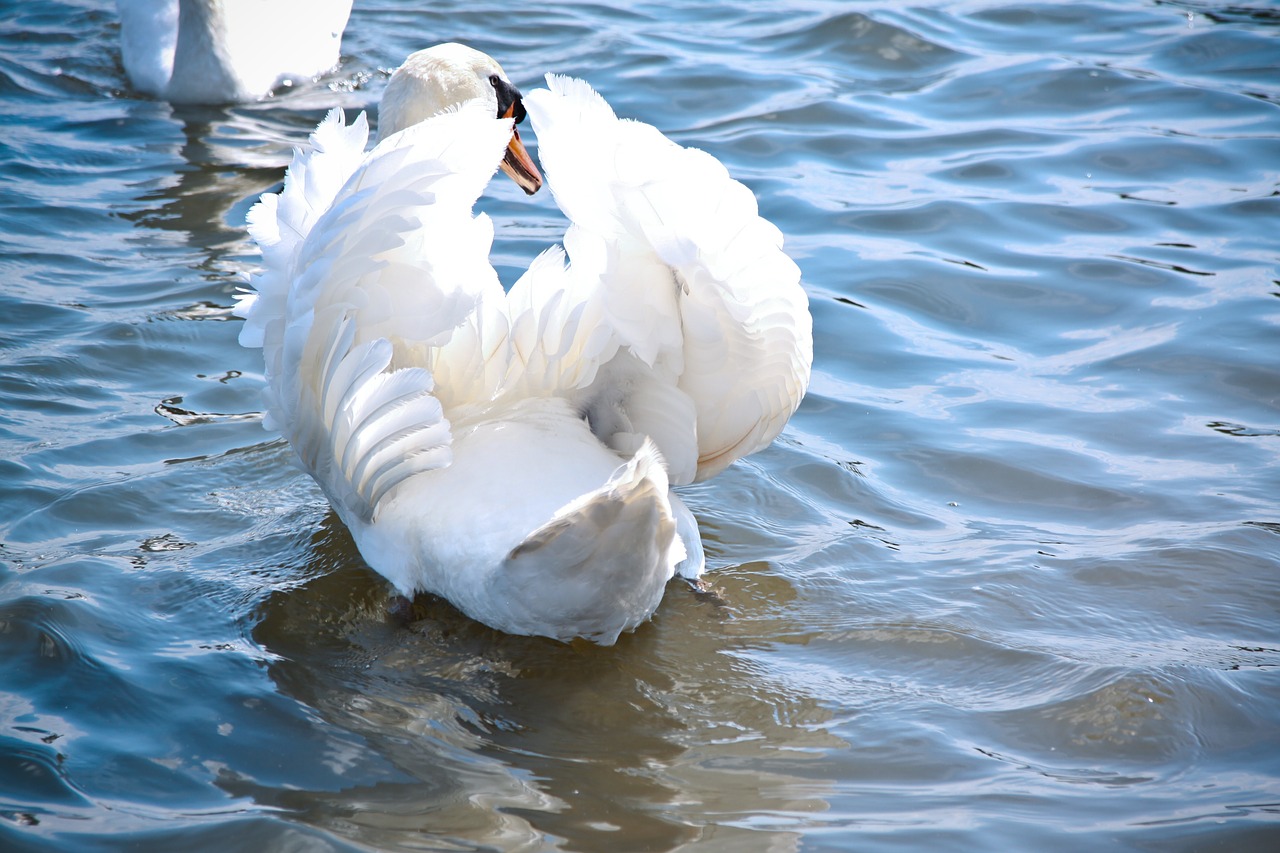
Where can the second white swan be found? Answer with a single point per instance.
(227, 51)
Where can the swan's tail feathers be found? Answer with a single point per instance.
(696, 282)
(600, 566)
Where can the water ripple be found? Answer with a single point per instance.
(1010, 573)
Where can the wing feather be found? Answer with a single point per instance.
(692, 282)
(374, 274)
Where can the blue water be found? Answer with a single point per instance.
(1010, 580)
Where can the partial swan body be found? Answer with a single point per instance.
(227, 51)
(515, 452)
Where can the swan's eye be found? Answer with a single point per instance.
(509, 103)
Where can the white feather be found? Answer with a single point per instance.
(697, 286)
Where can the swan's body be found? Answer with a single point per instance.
(227, 51)
(515, 453)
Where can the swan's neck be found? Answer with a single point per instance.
(201, 61)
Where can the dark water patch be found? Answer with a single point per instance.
(1091, 28)
(1147, 721)
(211, 831)
(1223, 55)
(32, 784)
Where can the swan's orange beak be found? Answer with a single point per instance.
(517, 163)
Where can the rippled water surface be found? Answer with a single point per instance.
(1009, 580)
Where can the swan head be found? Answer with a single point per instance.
(442, 78)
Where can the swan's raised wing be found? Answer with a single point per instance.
(559, 335)
(376, 289)
(713, 325)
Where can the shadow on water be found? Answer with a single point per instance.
(511, 741)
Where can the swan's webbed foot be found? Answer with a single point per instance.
(400, 610)
(708, 594)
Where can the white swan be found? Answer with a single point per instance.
(227, 51)
(515, 453)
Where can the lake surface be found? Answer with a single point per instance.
(1010, 580)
